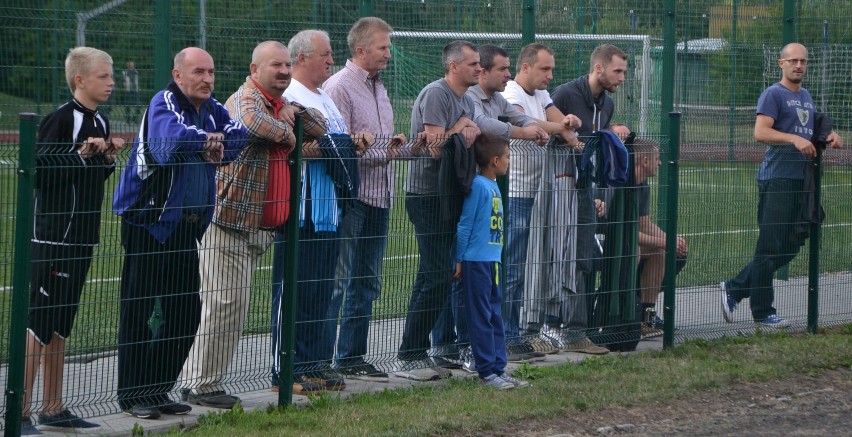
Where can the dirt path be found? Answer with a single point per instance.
(805, 406)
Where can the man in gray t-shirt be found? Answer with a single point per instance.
(441, 109)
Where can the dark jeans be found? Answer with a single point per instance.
(778, 211)
(432, 284)
(150, 361)
(577, 315)
(450, 330)
(358, 282)
(317, 260)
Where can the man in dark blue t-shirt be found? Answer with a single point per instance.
(785, 123)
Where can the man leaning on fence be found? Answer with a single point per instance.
(74, 157)
(252, 200)
(492, 106)
(441, 109)
(359, 92)
(319, 220)
(539, 265)
(586, 96)
(785, 123)
(165, 198)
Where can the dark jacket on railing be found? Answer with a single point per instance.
(69, 189)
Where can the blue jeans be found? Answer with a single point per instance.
(517, 239)
(317, 260)
(778, 212)
(363, 238)
(434, 274)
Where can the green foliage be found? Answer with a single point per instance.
(527, 371)
(137, 431)
(230, 417)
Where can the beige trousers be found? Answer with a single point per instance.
(227, 261)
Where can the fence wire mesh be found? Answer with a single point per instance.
(726, 55)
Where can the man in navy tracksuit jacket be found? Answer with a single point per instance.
(165, 199)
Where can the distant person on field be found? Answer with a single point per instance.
(785, 123)
(74, 157)
(130, 88)
(479, 246)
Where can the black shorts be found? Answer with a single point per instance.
(56, 283)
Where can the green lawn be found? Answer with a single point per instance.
(669, 383)
(716, 213)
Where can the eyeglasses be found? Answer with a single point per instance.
(796, 61)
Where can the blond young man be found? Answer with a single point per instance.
(74, 156)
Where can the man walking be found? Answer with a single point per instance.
(785, 123)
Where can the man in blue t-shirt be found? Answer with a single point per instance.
(785, 123)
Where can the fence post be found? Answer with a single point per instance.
(789, 34)
(671, 229)
(21, 280)
(667, 92)
(162, 43)
(813, 256)
(732, 104)
(366, 8)
(287, 321)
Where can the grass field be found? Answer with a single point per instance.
(742, 383)
(716, 214)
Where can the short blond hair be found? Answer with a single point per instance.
(80, 62)
(363, 30)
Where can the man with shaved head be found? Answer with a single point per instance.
(252, 200)
(165, 198)
(785, 123)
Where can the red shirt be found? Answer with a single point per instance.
(276, 206)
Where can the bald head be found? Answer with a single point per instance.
(263, 49)
(793, 47)
(270, 67)
(194, 74)
(793, 64)
(190, 54)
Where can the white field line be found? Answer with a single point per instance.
(106, 280)
(749, 231)
(403, 257)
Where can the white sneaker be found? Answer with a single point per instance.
(468, 362)
(514, 381)
(728, 303)
(415, 371)
(496, 382)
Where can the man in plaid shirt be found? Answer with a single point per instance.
(252, 200)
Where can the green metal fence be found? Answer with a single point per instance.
(708, 60)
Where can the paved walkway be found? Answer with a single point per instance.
(90, 380)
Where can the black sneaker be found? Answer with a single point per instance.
(64, 419)
(143, 412)
(328, 379)
(446, 363)
(303, 386)
(216, 399)
(175, 409)
(523, 353)
(364, 372)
